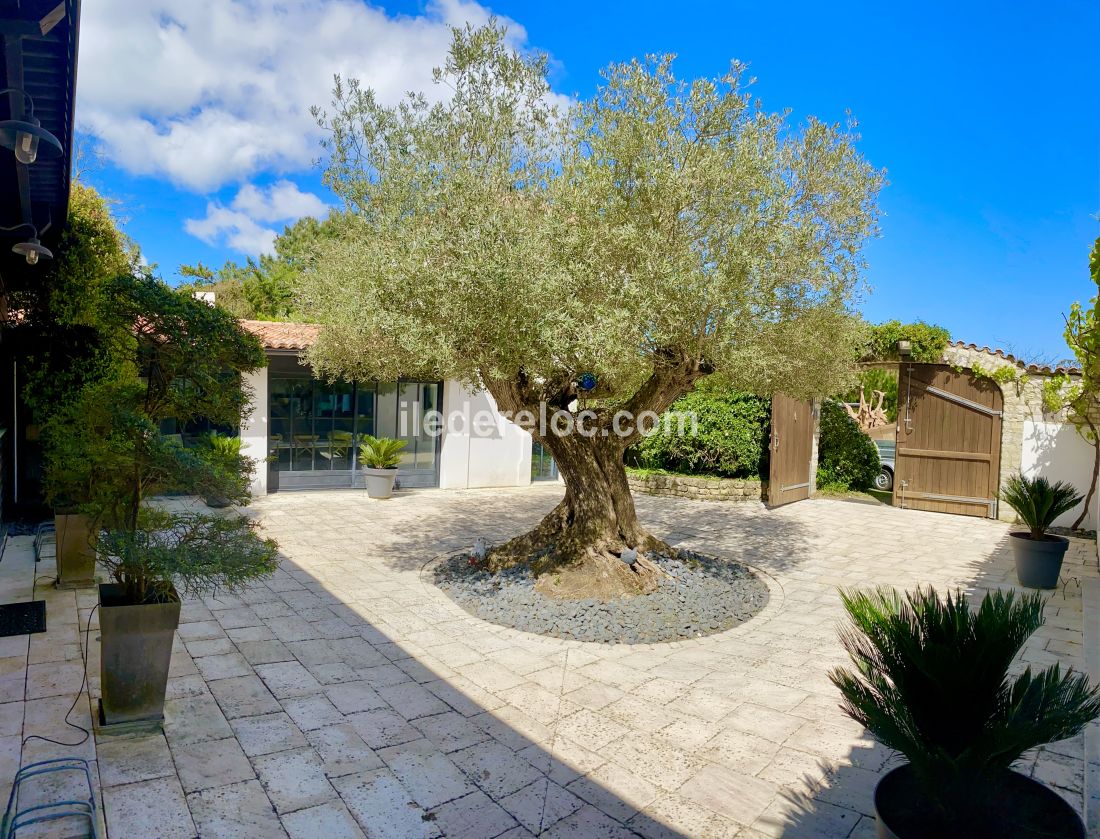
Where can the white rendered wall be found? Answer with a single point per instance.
(254, 430)
(495, 455)
(1057, 452)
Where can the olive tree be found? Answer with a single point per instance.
(658, 233)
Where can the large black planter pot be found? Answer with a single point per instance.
(1023, 809)
(1038, 561)
(135, 653)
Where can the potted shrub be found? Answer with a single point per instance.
(931, 681)
(67, 482)
(380, 457)
(186, 361)
(224, 453)
(1038, 503)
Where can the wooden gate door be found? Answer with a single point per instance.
(949, 441)
(791, 449)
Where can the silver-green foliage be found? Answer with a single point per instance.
(498, 232)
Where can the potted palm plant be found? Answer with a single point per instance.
(1038, 503)
(186, 360)
(380, 457)
(931, 682)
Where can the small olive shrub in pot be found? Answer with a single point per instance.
(931, 681)
(380, 457)
(1039, 503)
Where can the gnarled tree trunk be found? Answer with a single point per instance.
(581, 541)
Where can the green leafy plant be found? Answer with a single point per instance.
(847, 458)
(927, 341)
(723, 434)
(931, 681)
(1038, 502)
(183, 360)
(380, 452)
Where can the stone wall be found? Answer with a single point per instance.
(699, 489)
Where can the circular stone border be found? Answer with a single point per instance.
(703, 595)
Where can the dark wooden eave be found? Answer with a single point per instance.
(38, 53)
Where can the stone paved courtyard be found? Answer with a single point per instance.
(347, 697)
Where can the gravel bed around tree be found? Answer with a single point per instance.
(701, 596)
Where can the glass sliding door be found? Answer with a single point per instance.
(315, 427)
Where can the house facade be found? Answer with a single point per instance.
(303, 431)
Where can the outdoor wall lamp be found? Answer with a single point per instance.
(27, 137)
(32, 250)
(905, 348)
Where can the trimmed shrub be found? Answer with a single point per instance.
(730, 441)
(847, 458)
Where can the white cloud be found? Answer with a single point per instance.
(209, 92)
(239, 225)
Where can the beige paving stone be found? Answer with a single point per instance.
(128, 759)
(288, 679)
(211, 764)
(330, 820)
(741, 798)
(268, 733)
(294, 779)
(243, 696)
(235, 811)
(541, 804)
(342, 750)
(369, 794)
(264, 652)
(194, 719)
(155, 807)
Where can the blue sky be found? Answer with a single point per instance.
(987, 120)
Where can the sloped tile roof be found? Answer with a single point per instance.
(1041, 369)
(283, 336)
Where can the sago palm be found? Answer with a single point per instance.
(931, 681)
(1038, 502)
(380, 452)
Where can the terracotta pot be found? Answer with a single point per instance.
(135, 654)
(75, 550)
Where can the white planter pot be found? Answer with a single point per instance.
(379, 482)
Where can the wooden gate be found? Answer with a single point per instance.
(949, 441)
(791, 449)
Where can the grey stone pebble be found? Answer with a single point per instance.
(703, 595)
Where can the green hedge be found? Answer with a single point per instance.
(731, 437)
(847, 458)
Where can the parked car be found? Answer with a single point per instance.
(887, 449)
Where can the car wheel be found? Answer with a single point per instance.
(884, 480)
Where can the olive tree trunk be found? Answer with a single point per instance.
(583, 538)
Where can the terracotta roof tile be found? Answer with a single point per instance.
(283, 336)
(1031, 368)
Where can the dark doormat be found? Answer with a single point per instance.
(22, 618)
